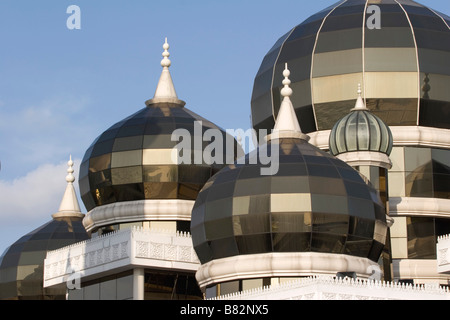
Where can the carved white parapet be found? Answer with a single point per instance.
(331, 288)
(443, 254)
(122, 250)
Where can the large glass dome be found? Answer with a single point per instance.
(132, 160)
(315, 203)
(22, 264)
(403, 66)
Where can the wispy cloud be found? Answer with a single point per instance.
(44, 132)
(35, 196)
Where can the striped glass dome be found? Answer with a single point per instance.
(403, 66)
(360, 131)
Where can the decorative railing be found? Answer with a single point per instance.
(443, 254)
(331, 288)
(125, 248)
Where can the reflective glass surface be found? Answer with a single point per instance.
(422, 236)
(22, 264)
(420, 172)
(328, 53)
(314, 203)
(133, 160)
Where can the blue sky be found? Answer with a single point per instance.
(61, 88)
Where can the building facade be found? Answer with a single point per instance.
(358, 208)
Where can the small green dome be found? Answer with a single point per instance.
(360, 130)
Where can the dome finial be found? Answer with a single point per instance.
(286, 91)
(69, 206)
(360, 105)
(286, 124)
(165, 63)
(165, 91)
(70, 177)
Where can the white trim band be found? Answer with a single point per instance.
(404, 206)
(403, 136)
(141, 210)
(279, 264)
(366, 158)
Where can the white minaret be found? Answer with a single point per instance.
(286, 124)
(165, 90)
(69, 206)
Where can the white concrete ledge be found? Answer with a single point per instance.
(282, 265)
(403, 136)
(141, 210)
(366, 158)
(412, 206)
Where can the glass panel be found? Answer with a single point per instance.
(128, 143)
(100, 163)
(102, 148)
(251, 224)
(330, 223)
(393, 85)
(126, 158)
(291, 242)
(361, 227)
(421, 238)
(357, 190)
(375, 134)
(222, 248)
(391, 59)
(159, 156)
(337, 63)
(160, 190)
(388, 37)
(252, 186)
(160, 173)
(363, 131)
(329, 243)
(218, 209)
(339, 88)
(253, 244)
(259, 204)
(241, 205)
(296, 202)
(357, 246)
(418, 184)
(319, 185)
(361, 208)
(291, 222)
(323, 171)
(341, 142)
(126, 175)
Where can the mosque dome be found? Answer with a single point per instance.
(315, 203)
(22, 264)
(136, 159)
(360, 131)
(397, 50)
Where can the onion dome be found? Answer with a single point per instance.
(315, 215)
(22, 264)
(361, 135)
(397, 50)
(136, 160)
